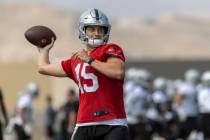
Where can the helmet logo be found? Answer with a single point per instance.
(95, 14)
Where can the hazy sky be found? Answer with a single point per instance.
(130, 8)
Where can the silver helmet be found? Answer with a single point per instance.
(160, 83)
(32, 89)
(143, 77)
(93, 17)
(131, 73)
(205, 78)
(192, 75)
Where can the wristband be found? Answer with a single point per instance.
(90, 60)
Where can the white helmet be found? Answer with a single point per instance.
(192, 75)
(32, 89)
(144, 74)
(205, 78)
(160, 83)
(131, 73)
(143, 77)
(97, 18)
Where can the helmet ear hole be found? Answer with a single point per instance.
(105, 30)
(84, 29)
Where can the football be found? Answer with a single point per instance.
(39, 36)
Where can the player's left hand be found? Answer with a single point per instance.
(82, 55)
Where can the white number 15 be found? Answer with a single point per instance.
(88, 76)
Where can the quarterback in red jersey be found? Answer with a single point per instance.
(98, 70)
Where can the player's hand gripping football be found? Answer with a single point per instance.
(47, 47)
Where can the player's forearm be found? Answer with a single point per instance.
(111, 70)
(72, 118)
(43, 60)
(178, 100)
(21, 115)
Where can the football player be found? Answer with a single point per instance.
(136, 102)
(4, 114)
(24, 108)
(98, 70)
(186, 104)
(203, 98)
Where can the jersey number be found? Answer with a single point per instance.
(88, 76)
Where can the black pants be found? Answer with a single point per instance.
(187, 126)
(20, 133)
(204, 124)
(100, 132)
(49, 132)
(138, 131)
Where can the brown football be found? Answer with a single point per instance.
(39, 36)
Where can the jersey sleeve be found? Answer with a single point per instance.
(114, 50)
(66, 65)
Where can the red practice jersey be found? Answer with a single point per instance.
(100, 97)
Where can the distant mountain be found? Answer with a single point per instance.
(164, 38)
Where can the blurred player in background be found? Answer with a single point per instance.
(136, 102)
(98, 70)
(50, 115)
(22, 122)
(69, 109)
(186, 103)
(204, 105)
(4, 114)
